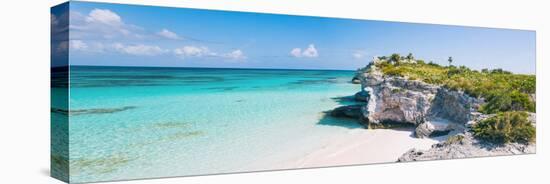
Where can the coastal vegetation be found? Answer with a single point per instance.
(502, 90)
(506, 127)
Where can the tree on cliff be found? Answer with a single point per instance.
(395, 58)
(450, 60)
(410, 57)
(383, 58)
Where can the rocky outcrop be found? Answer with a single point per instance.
(465, 146)
(393, 103)
(362, 96)
(433, 129)
(454, 105)
(355, 80)
(349, 111)
(398, 99)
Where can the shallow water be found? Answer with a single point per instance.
(130, 122)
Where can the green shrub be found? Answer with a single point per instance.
(500, 101)
(410, 56)
(453, 71)
(391, 70)
(395, 58)
(433, 64)
(384, 64)
(500, 71)
(506, 127)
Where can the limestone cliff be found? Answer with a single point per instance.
(432, 109)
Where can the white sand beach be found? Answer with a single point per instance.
(352, 147)
(361, 146)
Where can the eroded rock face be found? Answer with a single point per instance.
(399, 105)
(356, 80)
(465, 146)
(431, 129)
(397, 99)
(349, 111)
(453, 105)
(362, 96)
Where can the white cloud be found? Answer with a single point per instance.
(236, 54)
(62, 47)
(145, 50)
(78, 45)
(168, 34)
(77, 19)
(193, 51)
(59, 26)
(309, 52)
(139, 49)
(101, 24)
(359, 54)
(296, 52)
(53, 19)
(104, 16)
(100, 47)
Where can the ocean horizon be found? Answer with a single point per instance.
(221, 68)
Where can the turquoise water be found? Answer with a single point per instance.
(133, 122)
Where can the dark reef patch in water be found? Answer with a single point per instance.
(171, 124)
(347, 100)
(201, 79)
(182, 135)
(59, 111)
(92, 111)
(229, 88)
(100, 165)
(153, 127)
(126, 77)
(113, 83)
(141, 80)
(314, 82)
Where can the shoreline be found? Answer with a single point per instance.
(352, 147)
(363, 146)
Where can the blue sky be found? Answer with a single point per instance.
(126, 35)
